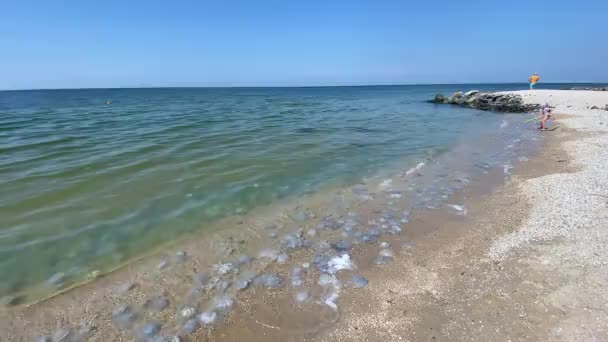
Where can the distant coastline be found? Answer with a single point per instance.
(544, 85)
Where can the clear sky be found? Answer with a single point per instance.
(127, 43)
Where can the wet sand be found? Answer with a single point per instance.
(444, 284)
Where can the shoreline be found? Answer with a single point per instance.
(212, 248)
(531, 267)
(427, 268)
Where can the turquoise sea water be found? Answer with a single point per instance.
(84, 185)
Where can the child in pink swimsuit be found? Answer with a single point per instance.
(545, 115)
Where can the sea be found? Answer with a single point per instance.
(93, 178)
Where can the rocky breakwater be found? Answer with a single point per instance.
(497, 102)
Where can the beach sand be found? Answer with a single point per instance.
(530, 267)
(527, 263)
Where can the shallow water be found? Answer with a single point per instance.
(84, 185)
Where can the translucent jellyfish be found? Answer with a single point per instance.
(358, 282)
(268, 280)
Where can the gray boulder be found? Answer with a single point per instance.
(439, 98)
(487, 101)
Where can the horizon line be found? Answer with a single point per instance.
(294, 86)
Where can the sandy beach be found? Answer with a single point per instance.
(530, 267)
(526, 263)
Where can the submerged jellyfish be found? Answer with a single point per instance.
(268, 280)
(158, 303)
(207, 317)
(149, 330)
(358, 282)
(302, 296)
(297, 276)
(123, 317)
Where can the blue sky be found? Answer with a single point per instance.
(76, 44)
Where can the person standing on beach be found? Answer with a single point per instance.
(533, 79)
(545, 115)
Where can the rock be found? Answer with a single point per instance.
(490, 101)
(455, 98)
(594, 107)
(439, 98)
